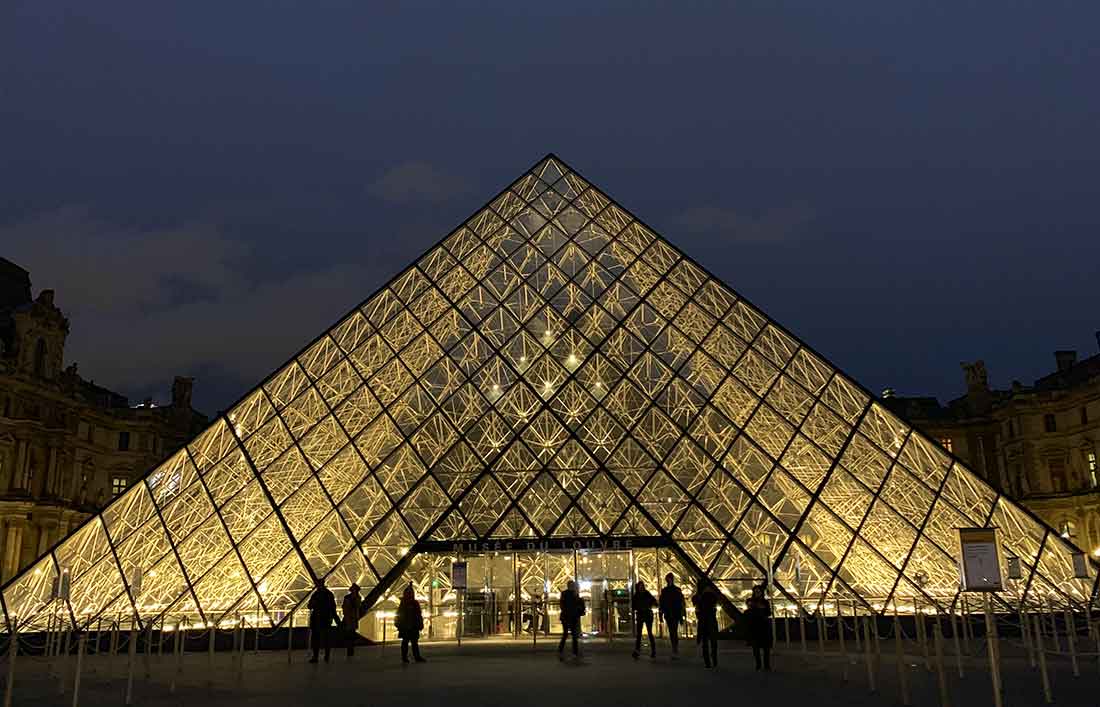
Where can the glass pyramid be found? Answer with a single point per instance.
(552, 369)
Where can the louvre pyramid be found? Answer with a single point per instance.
(552, 368)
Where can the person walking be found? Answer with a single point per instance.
(673, 611)
(571, 608)
(322, 614)
(353, 611)
(409, 622)
(642, 603)
(758, 612)
(706, 615)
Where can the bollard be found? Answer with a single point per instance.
(130, 662)
(1048, 697)
(941, 676)
(148, 650)
(922, 636)
(867, 656)
(240, 651)
(994, 663)
(95, 640)
(112, 648)
(787, 630)
(855, 626)
(802, 630)
(1055, 643)
(874, 639)
(175, 659)
(1025, 633)
(160, 640)
(290, 639)
(13, 651)
(843, 646)
(210, 656)
(820, 637)
(63, 646)
(1071, 639)
(966, 625)
(899, 656)
(79, 664)
(955, 640)
(256, 644)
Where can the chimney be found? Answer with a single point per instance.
(1065, 360)
(46, 297)
(181, 392)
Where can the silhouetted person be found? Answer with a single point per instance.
(758, 612)
(706, 614)
(642, 603)
(322, 614)
(674, 611)
(353, 611)
(571, 608)
(409, 622)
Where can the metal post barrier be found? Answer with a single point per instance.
(240, 651)
(1057, 647)
(802, 629)
(148, 650)
(843, 645)
(160, 640)
(132, 652)
(13, 651)
(867, 656)
(1048, 696)
(899, 656)
(820, 637)
(856, 625)
(81, 645)
(787, 630)
(922, 635)
(63, 647)
(955, 640)
(941, 676)
(112, 648)
(994, 663)
(256, 643)
(967, 628)
(1071, 639)
(1025, 633)
(878, 646)
(176, 653)
(210, 655)
(95, 639)
(290, 639)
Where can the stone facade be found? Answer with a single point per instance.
(67, 446)
(1037, 443)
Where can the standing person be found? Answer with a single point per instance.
(642, 603)
(674, 611)
(706, 615)
(759, 612)
(571, 608)
(353, 611)
(409, 622)
(322, 614)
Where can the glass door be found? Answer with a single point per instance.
(604, 580)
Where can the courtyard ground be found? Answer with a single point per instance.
(515, 674)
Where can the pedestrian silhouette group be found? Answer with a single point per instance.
(671, 608)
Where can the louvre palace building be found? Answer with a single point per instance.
(553, 391)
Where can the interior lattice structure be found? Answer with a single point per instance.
(552, 369)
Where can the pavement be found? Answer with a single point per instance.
(488, 673)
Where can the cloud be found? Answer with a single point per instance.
(777, 225)
(147, 304)
(417, 182)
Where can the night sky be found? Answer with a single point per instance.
(209, 185)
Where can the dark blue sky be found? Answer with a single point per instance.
(905, 185)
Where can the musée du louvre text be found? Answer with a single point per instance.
(555, 375)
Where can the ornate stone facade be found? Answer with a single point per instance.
(67, 446)
(1038, 443)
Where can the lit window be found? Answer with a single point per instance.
(1090, 461)
(945, 442)
(118, 485)
(1066, 529)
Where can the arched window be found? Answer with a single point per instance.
(40, 358)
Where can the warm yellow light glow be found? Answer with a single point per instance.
(718, 432)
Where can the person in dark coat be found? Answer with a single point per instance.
(673, 611)
(409, 622)
(706, 614)
(642, 604)
(571, 608)
(322, 614)
(758, 612)
(353, 611)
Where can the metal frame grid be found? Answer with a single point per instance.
(552, 368)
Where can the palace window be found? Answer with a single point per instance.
(1057, 469)
(945, 442)
(1084, 415)
(123, 441)
(1049, 423)
(1090, 463)
(118, 485)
